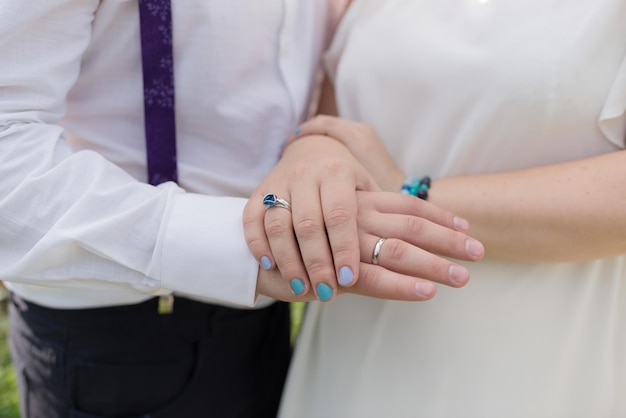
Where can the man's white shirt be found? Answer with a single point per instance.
(78, 225)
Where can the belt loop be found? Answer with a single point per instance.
(166, 304)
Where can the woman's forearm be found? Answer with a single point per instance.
(572, 211)
(564, 212)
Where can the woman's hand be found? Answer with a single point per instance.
(414, 235)
(319, 177)
(362, 141)
(315, 244)
(408, 262)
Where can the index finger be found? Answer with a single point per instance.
(410, 205)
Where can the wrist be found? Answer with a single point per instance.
(292, 139)
(416, 186)
(312, 143)
(395, 181)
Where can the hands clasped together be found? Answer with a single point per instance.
(333, 230)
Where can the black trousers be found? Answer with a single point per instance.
(199, 361)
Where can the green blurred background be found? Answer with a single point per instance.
(8, 391)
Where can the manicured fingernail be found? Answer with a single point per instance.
(345, 276)
(474, 248)
(458, 274)
(297, 286)
(297, 131)
(324, 292)
(425, 290)
(460, 224)
(266, 262)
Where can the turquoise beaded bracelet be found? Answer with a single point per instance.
(416, 187)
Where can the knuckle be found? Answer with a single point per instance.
(324, 119)
(393, 250)
(456, 243)
(251, 214)
(337, 217)
(333, 167)
(320, 271)
(344, 255)
(439, 271)
(249, 219)
(299, 171)
(275, 228)
(290, 267)
(414, 225)
(376, 282)
(256, 244)
(399, 287)
(308, 228)
(436, 270)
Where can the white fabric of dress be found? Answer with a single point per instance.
(468, 86)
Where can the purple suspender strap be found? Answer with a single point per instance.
(158, 85)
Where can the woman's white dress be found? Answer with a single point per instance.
(471, 86)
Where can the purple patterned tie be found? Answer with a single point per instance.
(158, 86)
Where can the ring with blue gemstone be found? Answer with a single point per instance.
(272, 201)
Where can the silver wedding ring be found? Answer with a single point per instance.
(272, 201)
(376, 253)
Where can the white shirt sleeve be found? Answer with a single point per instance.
(71, 218)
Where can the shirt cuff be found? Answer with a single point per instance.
(204, 251)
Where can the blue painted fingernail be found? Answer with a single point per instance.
(297, 131)
(324, 292)
(297, 286)
(345, 276)
(266, 262)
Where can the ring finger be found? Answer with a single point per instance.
(405, 258)
(279, 230)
